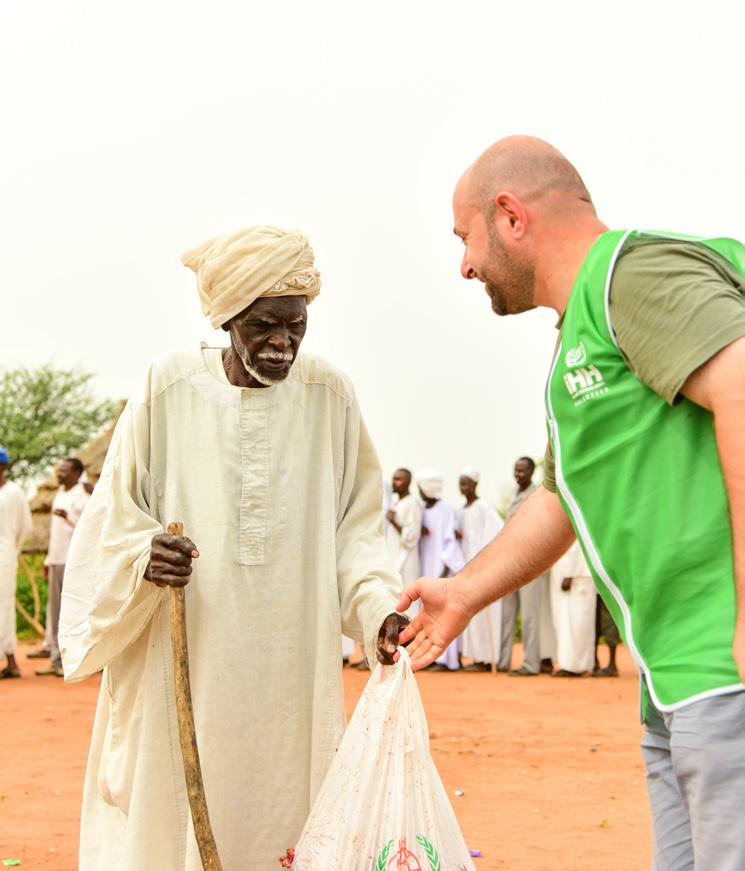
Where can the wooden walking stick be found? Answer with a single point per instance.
(186, 730)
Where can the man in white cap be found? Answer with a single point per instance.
(477, 523)
(439, 552)
(262, 453)
(15, 527)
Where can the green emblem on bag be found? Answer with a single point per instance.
(383, 857)
(404, 859)
(431, 853)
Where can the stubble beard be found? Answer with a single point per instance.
(513, 291)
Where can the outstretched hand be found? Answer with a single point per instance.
(443, 618)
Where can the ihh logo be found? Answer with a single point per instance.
(576, 356)
(583, 379)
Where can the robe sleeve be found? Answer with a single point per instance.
(368, 586)
(411, 529)
(452, 555)
(106, 603)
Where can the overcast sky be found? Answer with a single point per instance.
(132, 131)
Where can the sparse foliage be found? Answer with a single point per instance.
(46, 413)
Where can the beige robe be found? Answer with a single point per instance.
(280, 489)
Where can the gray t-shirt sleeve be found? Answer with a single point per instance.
(549, 470)
(674, 304)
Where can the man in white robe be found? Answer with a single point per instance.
(263, 455)
(476, 525)
(439, 552)
(529, 599)
(15, 528)
(67, 508)
(404, 527)
(573, 598)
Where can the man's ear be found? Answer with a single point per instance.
(226, 327)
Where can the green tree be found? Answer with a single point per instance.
(45, 414)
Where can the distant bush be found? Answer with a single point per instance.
(25, 594)
(47, 413)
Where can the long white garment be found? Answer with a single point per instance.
(15, 528)
(439, 549)
(547, 634)
(71, 501)
(403, 546)
(574, 612)
(280, 489)
(479, 523)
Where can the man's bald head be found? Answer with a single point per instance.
(527, 167)
(526, 220)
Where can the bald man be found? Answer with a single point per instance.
(645, 407)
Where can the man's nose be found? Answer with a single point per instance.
(465, 268)
(280, 340)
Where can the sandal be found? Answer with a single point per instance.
(8, 672)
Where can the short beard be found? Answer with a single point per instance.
(245, 358)
(514, 291)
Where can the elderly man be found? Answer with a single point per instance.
(645, 406)
(262, 453)
(15, 527)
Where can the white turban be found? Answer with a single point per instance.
(470, 472)
(430, 482)
(234, 271)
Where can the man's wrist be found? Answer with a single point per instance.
(465, 589)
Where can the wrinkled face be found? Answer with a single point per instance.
(508, 280)
(400, 482)
(267, 336)
(523, 473)
(67, 474)
(467, 487)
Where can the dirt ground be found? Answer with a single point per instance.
(550, 767)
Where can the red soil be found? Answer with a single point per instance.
(550, 767)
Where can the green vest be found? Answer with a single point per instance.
(643, 486)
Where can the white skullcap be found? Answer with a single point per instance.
(470, 472)
(234, 271)
(430, 481)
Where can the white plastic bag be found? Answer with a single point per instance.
(382, 806)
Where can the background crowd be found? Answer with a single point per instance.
(559, 617)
